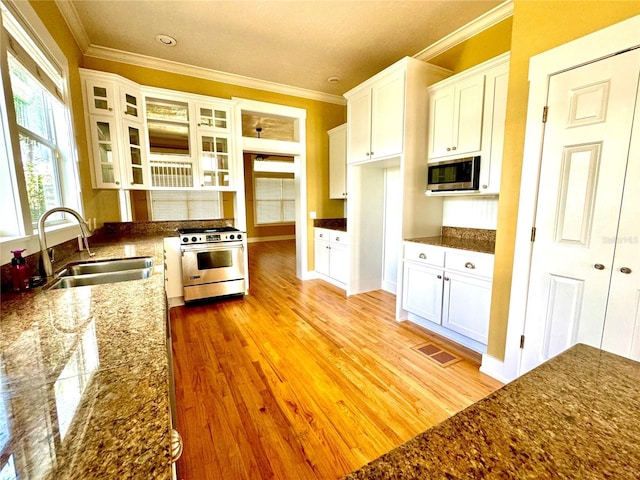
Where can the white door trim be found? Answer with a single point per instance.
(595, 46)
(296, 149)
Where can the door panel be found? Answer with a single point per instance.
(622, 324)
(584, 157)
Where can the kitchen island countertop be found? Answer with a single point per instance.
(84, 377)
(577, 416)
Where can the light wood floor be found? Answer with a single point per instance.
(297, 381)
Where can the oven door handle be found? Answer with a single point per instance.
(210, 247)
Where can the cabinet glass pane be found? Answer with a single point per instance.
(223, 162)
(131, 105)
(104, 132)
(221, 119)
(106, 155)
(137, 176)
(136, 157)
(168, 127)
(108, 174)
(134, 136)
(223, 179)
(100, 92)
(206, 117)
(221, 145)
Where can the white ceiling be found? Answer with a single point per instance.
(294, 43)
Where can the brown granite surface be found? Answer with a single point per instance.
(84, 376)
(575, 417)
(472, 239)
(331, 223)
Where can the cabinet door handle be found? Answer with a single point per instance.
(368, 154)
(446, 279)
(439, 276)
(598, 266)
(422, 256)
(337, 239)
(453, 148)
(448, 149)
(469, 265)
(626, 270)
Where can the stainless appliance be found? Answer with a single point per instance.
(212, 262)
(453, 175)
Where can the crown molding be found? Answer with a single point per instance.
(208, 74)
(70, 15)
(489, 19)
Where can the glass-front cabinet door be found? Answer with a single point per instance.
(131, 102)
(135, 157)
(105, 152)
(100, 96)
(214, 160)
(213, 117)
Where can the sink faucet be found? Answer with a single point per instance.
(46, 260)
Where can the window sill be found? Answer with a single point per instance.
(55, 235)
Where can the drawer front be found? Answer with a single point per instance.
(469, 262)
(322, 234)
(338, 236)
(424, 254)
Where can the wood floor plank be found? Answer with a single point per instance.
(296, 380)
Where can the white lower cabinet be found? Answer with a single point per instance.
(173, 271)
(448, 291)
(331, 255)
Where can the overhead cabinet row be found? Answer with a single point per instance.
(467, 114)
(145, 138)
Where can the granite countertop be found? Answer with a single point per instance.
(84, 376)
(470, 244)
(339, 224)
(574, 417)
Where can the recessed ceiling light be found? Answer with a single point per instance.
(333, 79)
(166, 40)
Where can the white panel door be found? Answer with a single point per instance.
(582, 174)
(469, 109)
(622, 323)
(441, 119)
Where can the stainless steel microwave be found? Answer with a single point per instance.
(454, 175)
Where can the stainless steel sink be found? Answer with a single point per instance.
(78, 274)
(104, 266)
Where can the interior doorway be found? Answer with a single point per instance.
(271, 129)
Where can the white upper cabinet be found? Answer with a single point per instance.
(338, 162)
(467, 113)
(455, 117)
(115, 130)
(151, 138)
(213, 117)
(375, 113)
(100, 96)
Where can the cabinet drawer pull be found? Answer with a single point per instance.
(469, 265)
(626, 270)
(598, 266)
(337, 239)
(453, 148)
(422, 256)
(448, 149)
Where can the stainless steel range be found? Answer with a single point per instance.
(213, 262)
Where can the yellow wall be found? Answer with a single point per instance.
(537, 26)
(479, 48)
(99, 204)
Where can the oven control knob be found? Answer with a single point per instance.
(194, 239)
(232, 236)
(185, 239)
(239, 237)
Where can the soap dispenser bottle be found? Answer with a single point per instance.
(20, 273)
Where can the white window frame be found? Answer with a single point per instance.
(17, 229)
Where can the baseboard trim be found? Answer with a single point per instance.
(495, 368)
(270, 239)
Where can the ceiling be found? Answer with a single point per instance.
(299, 44)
